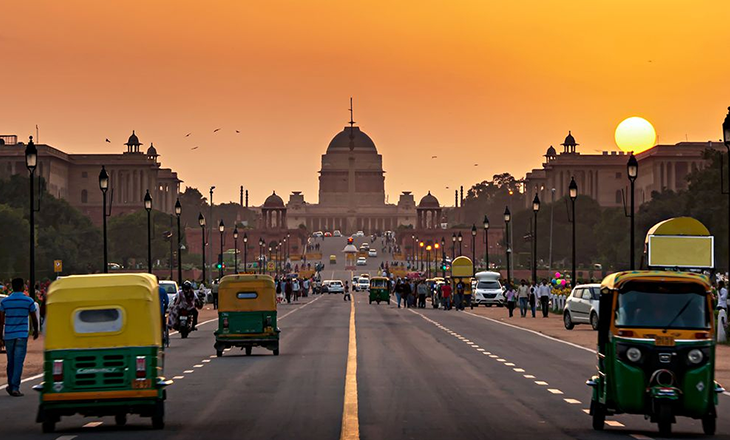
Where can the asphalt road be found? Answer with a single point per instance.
(420, 374)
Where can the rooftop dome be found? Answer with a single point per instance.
(569, 140)
(273, 201)
(341, 142)
(551, 152)
(152, 151)
(429, 201)
(133, 140)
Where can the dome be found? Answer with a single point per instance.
(273, 201)
(341, 142)
(152, 151)
(133, 140)
(569, 139)
(551, 152)
(429, 201)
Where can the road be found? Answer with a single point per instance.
(417, 374)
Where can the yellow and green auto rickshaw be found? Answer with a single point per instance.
(247, 314)
(103, 349)
(656, 334)
(379, 290)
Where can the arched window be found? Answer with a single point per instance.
(619, 197)
(84, 196)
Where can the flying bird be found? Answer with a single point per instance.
(194, 148)
(107, 139)
(188, 135)
(214, 131)
(476, 164)
(434, 157)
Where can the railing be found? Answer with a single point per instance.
(8, 139)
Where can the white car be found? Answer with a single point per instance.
(171, 289)
(318, 234)
(365, 246)
(334, 286)
(372, 253)
(363, 285)
(359, 234)
(581, 307)
(361, 261)
(488, 290)
(337, 233)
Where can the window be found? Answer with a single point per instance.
(491, 285)
(84, 196)
(247, 295)
(618, 175)
(98, 321)
(578, 293)
(84, 174)
(587, 294)
(647, 305)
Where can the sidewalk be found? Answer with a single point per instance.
(583, 334)
(34, 359)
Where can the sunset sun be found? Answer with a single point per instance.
(635, 134)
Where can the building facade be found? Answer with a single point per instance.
(75, 177)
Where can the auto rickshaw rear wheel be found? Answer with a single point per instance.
(48, 426)
(276, 351)
(664, 419)
(120, 419)
(158, 417)
(598, 411)
(248, 350)
(709, 423)
(219, 353)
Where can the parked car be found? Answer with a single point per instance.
(361, 261)
(334, 286)
(359, 234)
(337, 233)
(363, 285)
(581, 307)
(328, 234)
(318, 234)
(488, 290)
(372, 253)
(171, 289)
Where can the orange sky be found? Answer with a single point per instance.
(470, 81)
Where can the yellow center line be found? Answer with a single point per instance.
(350, 422)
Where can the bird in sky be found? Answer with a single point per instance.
(434, 157)
(188, 135)
(194, 148)
(237, 131)
(107, 139)
(216, 130)
(476, 164)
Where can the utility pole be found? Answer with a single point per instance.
(210, 232)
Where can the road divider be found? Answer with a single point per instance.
(350, 419)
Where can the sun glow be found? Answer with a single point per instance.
(635, 134)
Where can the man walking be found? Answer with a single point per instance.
(459, 295)
(543, 292)
(523, 293)
(446, 294)
(14, 313)
(347, 297)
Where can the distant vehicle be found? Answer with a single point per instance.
(333, 259)
(359, 234)
(363, 285)
(362, 261)
(328, 234)
(114, 266)
(337, 233)
(318, 234)
(488, 290)
(372, 253)
(581, 307)
(171, 289)
(365, 246)
(334, 286)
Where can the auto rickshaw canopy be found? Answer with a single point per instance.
(617, 280)
(681, 242)
(246, 293)
(103, 311)
(379, 282)
(462, 267)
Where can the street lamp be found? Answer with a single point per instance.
(104, 187)
(235, 249)
(267, 261)
(573, 193)
(535, 210)
(261, 255)
(428, 259)
(288, 240)
(443, 257)
(245, 252)
(201, 222)
(420, 252)
(31, 161)
(632, 169)
(507, 219)
(413, 248)
(284, 255)
(148, 208)
(178, 211)
(460, 238)
(453, 246)
(726, 141)
(486, 242)
(222, 230)
(473, 248)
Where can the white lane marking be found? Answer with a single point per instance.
(300, 307)
(67, 437)
(467, 341)
(533, 332)
(541, 382)
(27, 379)
(481, 349)
(519, 370)
(641, 437)
(501, 360)
(493, 356)
(573, 401)
(487, 352)
(474, 346)
(198, 366)
(555, 391)
(174, 332)
(528, 376)
(92, 424)
(212, 356)
(205, 361)
(189, 371)
(509, 364)
(178, 377)
(586, 410)
(614, 423)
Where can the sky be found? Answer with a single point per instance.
(485, 86)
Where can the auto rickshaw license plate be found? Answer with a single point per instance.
(141, 384)
(664, 341)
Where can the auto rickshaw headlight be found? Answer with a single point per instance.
(695, 356)
(633, 354)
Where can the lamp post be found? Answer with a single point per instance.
(473, 248)
(421, 244)
(284, 254)
(210, 231)
(235, 249)
(178, 211)
(428, 259)
(288, 240)
(726, 141)
(460, 238)
(261, 255)
(148, 208)
(632, 169)
(267, 261)
(201, 222)
(507, 219)
(104, 187)
(413, 248)
(279, 253)
(443, 257)
(31, 161)
(222, 230)
(535, 210)
(245, 253)
(486, 242)
(573, 193)
(453, 246)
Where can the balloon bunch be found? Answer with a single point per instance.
(561, 283)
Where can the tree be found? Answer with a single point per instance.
(14, 232)
(490, 197)
(128, 238)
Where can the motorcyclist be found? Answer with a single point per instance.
(185, 300)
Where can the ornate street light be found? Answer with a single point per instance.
(420, 252)
(573, 193)
(726, 141)
(473, 248)
(261, 255)
(428, 259)
(235, 249)
(201, 222)
(222, 230)
(443, 257)
(486, 241)
(148, 208)
(178, 212)
(453, 246)
(460, 238)
(31, 161)
(104, 187)
(507, 219)
(632, 170)
(535, 210)
(245, 253)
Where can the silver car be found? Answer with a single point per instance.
(581, 307)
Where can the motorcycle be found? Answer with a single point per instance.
(185, 323)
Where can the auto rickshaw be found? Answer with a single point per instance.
(103, 351)
(333, 259)
(656, 335)
(247, 314)
(379, 290)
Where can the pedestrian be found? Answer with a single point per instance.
(510, 295)
(288, 291)
(467, 298)
(398, 290)
(408, 294)
(523, 291)
(446, 294)
(422, 289)
(533, 298)
(459, 294)
(347, 292)
(295, 288)
(14, 313)
(305, 286)
(543, 292)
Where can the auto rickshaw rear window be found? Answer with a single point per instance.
(247, 295)
(667, 305)
(98, 320)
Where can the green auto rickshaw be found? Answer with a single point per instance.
(247, 314)
(103, 351)
(379, 290)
